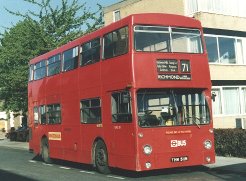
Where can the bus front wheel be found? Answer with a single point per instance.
(45, 152)
(101, 158)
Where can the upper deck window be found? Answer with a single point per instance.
(167, 39)
(30, 77)
(40, 70)
(54, 65)
(70, 59)
(90, 52)
(116, 43)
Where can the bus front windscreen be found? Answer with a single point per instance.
(167, 39)
(172, 108)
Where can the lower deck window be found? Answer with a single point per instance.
(36, 116)
(90, 111)
(53, 114)
(42, 112)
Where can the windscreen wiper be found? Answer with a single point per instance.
(194, 120)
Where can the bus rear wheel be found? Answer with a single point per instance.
(101, 158)
(45, 152)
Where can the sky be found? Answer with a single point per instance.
(8, 20)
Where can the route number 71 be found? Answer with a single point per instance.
(185, 66)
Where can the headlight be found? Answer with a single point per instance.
(207, 144)
(147, 149)
(211, 130)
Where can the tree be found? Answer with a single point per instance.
(36, 34)
(63, 23)
(17, 47)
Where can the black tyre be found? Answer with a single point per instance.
(101, 158)
(45, 152)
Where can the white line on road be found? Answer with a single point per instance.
(82, 171)
(32, 161)
(66, 168)
(46, 164)
(120, 178)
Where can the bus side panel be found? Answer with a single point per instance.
(89, 83)
(71, 129)
(120, 136)
(70, 115)
(36, 98)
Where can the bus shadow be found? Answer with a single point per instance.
(127, 173)
(216, 172)
(159, 172)
(237, 169)
(8, 176)
(64, 163)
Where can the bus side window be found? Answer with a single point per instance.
(35, 115)
(121, 107)
(70, 59)
(90, 52)
(54, 65)
(90, 111)
(115, 43)
(53, 114)
(42, 111)
(31, 69)
(40, 70)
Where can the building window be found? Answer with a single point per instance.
(90, 111)
(212, 49)
(244, 100)
(229, 100)
(116, 15)
(217, 108)
(54, 65)
(70, 59)
(90, 52)
(53, 114)
(241, 51)
(232, 8)
(40, 70)
(116, 43)
(121, 107)
(225, 50)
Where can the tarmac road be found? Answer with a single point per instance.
(16, 163)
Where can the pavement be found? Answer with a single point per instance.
(4, 142)
(222, 164)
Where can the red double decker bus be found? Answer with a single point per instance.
(133, 95)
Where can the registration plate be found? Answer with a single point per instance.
(179, 159)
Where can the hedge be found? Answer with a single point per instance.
(230, 142)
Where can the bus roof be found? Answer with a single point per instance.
(161, 19)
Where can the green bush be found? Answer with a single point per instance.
(230, 142)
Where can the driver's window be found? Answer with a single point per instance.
(156, 109)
